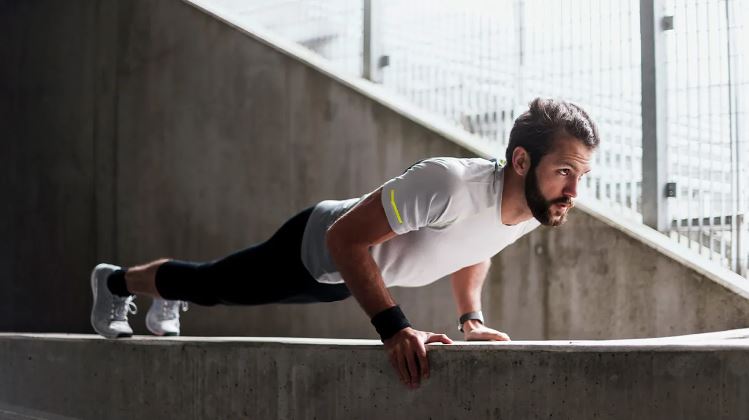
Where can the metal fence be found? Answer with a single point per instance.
(478, 63)
(707, 132)
(331, 28)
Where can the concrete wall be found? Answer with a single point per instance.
(173, 134)
(587, 280)
(89, 377)
(48, 173)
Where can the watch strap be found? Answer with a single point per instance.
(477, 315)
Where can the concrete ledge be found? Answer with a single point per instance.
(84, 376)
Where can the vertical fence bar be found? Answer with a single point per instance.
(522, 47)
(741, 14)
(654, 163)
(735, 159)
(371, 48)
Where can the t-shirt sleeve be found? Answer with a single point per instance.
(422, 196)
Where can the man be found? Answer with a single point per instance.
(442, 216)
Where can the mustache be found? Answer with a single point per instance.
(563, 200)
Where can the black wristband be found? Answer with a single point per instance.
(389, 322)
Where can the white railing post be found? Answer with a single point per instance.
(742, 241)
(373, 60)
(738, 249)
(654, 163)
(521, 101)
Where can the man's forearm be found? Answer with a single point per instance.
(363, 278)
(467, 284)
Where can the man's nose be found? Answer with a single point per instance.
(570, 190)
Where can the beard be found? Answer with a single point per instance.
(540, 206)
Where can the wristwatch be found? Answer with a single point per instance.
(470, 315)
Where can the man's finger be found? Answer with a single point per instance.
(438, 338)
(423, 361)
(402, 369)
(413, 369)
(496, 336)
(393, 362)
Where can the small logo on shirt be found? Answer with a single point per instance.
(395, 208)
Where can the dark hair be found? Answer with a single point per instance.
(535, 129)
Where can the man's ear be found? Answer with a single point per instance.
(521, 161)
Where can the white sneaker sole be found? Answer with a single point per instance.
(158, 332)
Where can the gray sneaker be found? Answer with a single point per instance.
(109, 312)
(163, 316)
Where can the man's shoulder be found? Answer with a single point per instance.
(447, 177)
(462, 168)
(471, 183)
(458, 162)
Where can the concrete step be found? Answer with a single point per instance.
(704, 376)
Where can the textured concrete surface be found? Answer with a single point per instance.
(588, 280)
(173, 134)
(47, 167)
(182, 138)
(87, 377)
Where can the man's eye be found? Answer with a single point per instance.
(564, 172)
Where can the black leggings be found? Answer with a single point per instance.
(270, 272)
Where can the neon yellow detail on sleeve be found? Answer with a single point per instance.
(395, 208)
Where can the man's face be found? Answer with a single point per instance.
(551, 187)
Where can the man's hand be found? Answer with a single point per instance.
(476, 331)
(407, 352)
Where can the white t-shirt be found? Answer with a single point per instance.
(446, 212)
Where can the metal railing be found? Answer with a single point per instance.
(478, 63)
(331, 28)
(707, 135)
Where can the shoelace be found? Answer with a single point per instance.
(121, 306)
(170, 308)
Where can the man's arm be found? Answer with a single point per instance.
(467, 284)
(348, 241)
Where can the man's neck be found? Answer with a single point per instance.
(514, 206)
